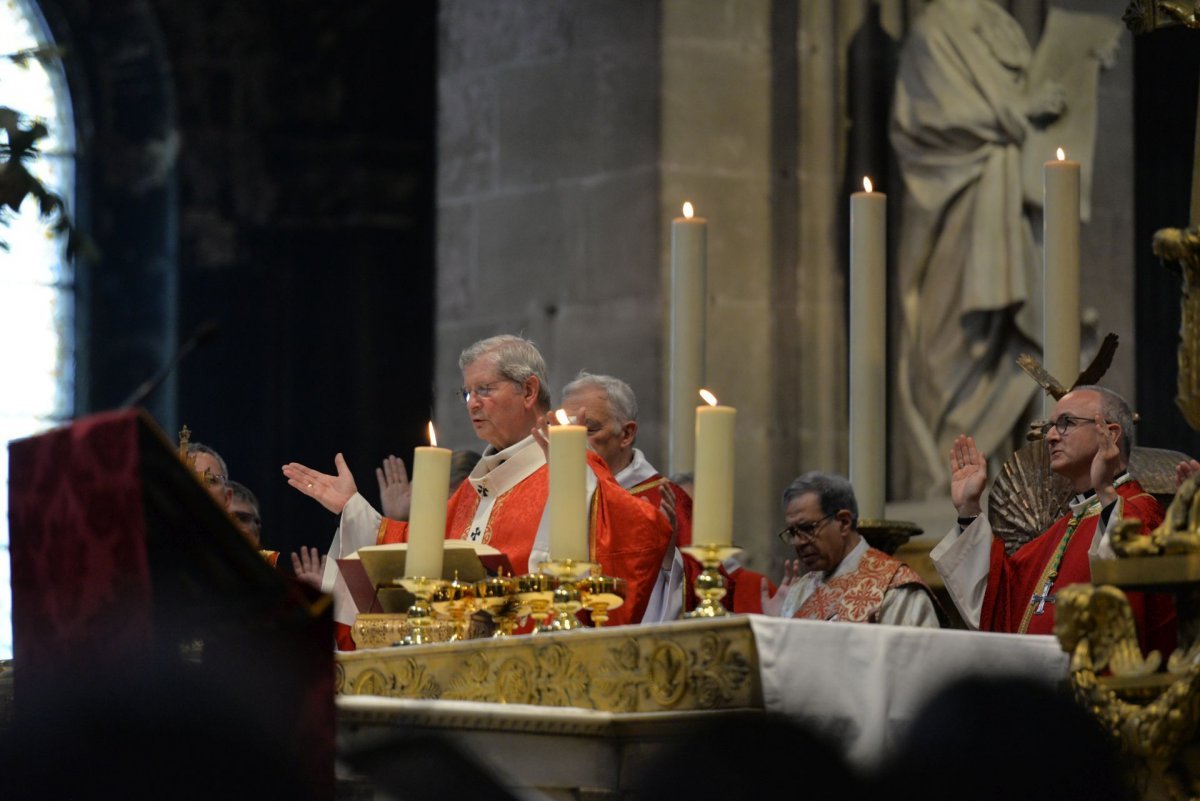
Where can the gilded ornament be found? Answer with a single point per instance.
(668, 674)
(372, 681)
(708, 665)
(410, 680)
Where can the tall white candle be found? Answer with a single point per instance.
(427, 517)
(568, 492)
(689, 268)
(712, 510)
(868, 349)
(1060, 327)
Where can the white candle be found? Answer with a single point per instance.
(689, 269)
(427, 518)
(712, 510)
(568, 492)
(1060, 326)
(868, 349)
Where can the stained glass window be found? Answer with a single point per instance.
(36, 282)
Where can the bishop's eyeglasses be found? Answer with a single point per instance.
(482, 391)
(1063, 424)
(805, 531)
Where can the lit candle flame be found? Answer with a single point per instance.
(432, 435)
(562, 418)
(1062, 156)
(688, 211)
(709, 398)
(867, 185)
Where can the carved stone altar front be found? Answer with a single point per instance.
(671, 668)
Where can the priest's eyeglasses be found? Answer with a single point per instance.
(210, 478)
(1063, 423)
(804, 531)
(482, 391)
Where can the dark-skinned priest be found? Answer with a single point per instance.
(846, 580)
(1088, 441)
(502, 502)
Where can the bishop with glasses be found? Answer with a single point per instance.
(1088, 442)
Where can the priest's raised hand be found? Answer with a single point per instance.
(332, 492)
(1107, 464)
(773, 604)
(395, 490)
(968, 476)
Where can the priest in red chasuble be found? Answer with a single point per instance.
(1088, 441)
(607, 406)
(501, 502)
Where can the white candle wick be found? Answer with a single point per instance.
(708, 397)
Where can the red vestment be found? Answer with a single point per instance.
(628, 537)
(743, 588)
(1013, 580)
(857, 596)
(651, 491)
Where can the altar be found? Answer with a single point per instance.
(606, 699)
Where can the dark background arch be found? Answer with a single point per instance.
(268, 166)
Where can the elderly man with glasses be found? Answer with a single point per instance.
(211, 470)
(847, 580)
(501, 502)
(1088, 441)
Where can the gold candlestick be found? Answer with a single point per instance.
(567, 598)
(601, 594)
(421, 627)
(710, 585)
(498, 597)
(536, 591)
(456, 601)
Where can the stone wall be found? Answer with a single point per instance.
(570, 134)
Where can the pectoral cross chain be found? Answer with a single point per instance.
(1042, 599)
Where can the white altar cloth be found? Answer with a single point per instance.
(859, 684)
(864, 684)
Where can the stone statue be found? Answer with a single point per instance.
(965, 114)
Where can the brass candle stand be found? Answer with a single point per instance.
(536, 591)
(498, 597)
(710, 585)
(567, 598)
(455, 601)
(601, 594)
(421, 627)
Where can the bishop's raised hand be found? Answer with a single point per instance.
(332, 492)
(395, 490)
(968, 476)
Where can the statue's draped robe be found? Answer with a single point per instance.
(969, 273)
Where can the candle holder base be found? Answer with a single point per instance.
(568, 599)
(887, 535)
(536, 591)
(422, 627)
(710, 584)
(600, 594)
(498, 597)
(455, 600)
